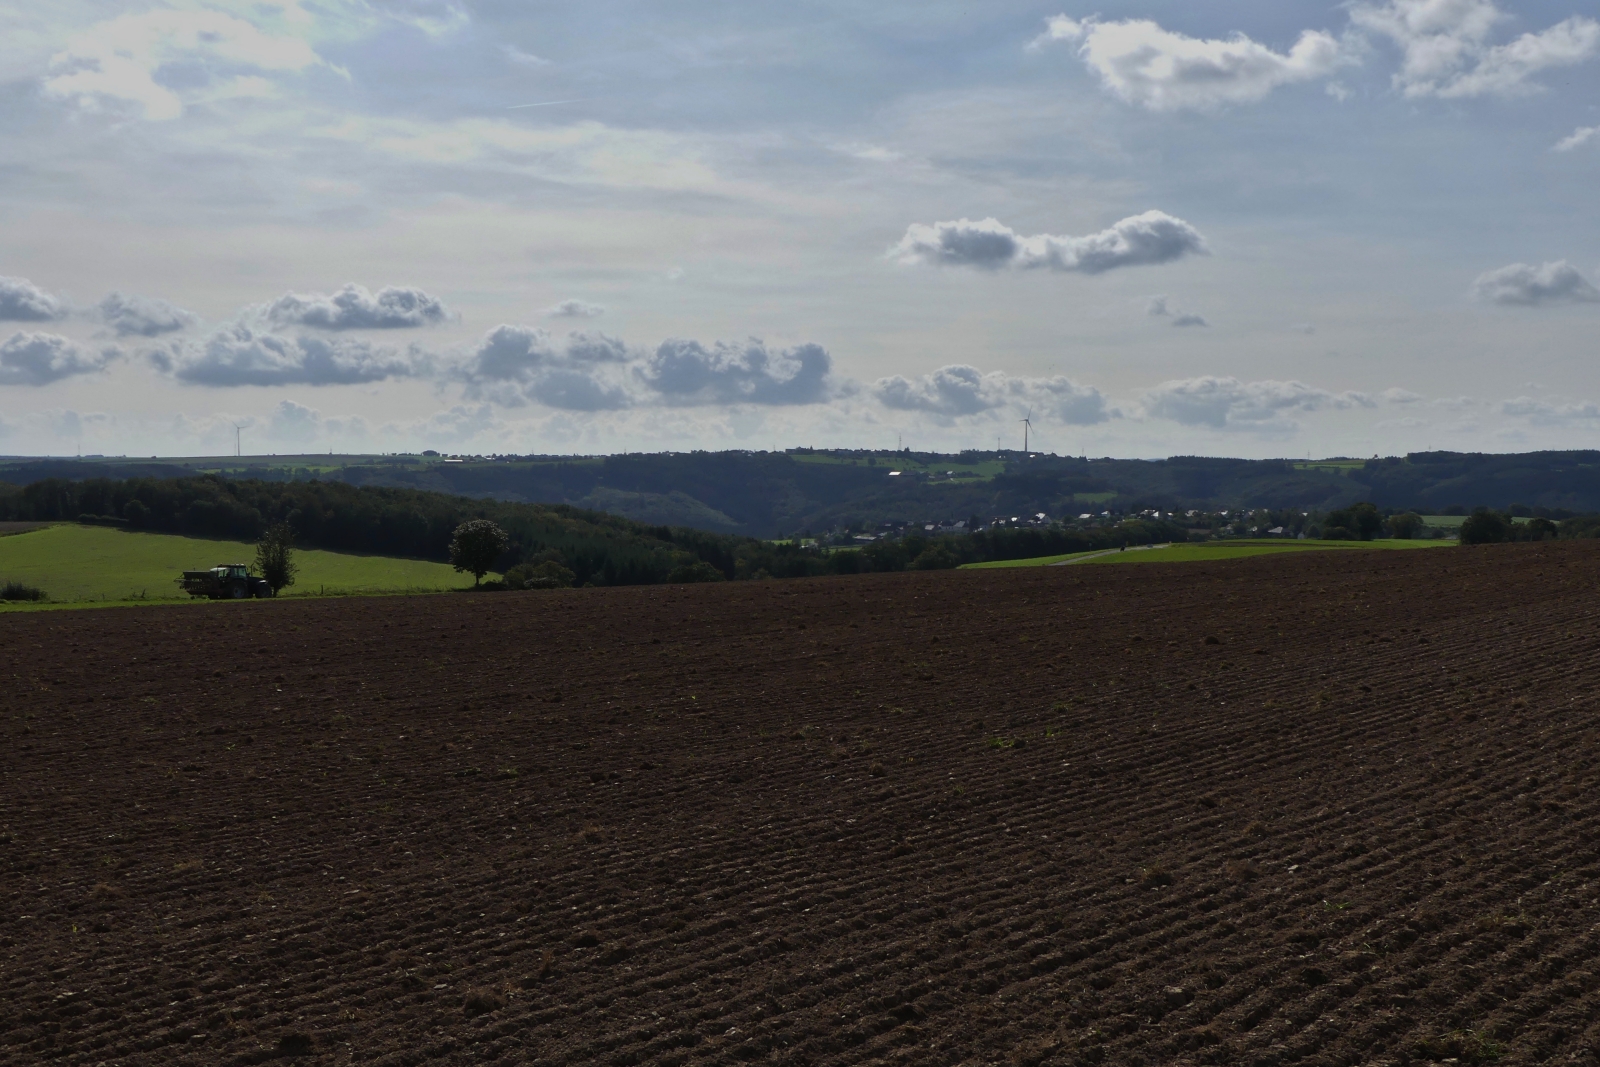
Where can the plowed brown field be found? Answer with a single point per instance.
(1017, 816)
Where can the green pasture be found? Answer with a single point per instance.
(1039, 561)
(95, 564)
(1208, 550)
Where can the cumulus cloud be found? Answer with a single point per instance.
(515, 365)
(42, 358)
(158, 62)
(1400, 396)
(1447, 52)
(1228, 403)
(137, 316)
(1139, 240)
(1151, 67)
(574, 309)
(959, 390)
(240, 355)
(22, 301)
(1551, 413)
(355, 308)
(1580, 136)
(1158, 308)
(687, 372)
(300, 424)
(1524, 285)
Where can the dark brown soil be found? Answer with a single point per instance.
(1332, 808)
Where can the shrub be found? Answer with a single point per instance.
(18, 591)
(934, 558)
(698, 571)
(1485, 527)
(1362, 522)
(546, 575)
(1406, 526)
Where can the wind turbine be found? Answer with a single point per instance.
(238, 448)
(1027, 424)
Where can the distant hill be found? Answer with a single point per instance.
(765, 494)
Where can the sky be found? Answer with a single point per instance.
(497, 226)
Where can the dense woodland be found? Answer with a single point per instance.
(599, 549)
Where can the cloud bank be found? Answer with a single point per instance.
(41, 358)
(1446, 50)
(137, 316)
(959, 390)
(1137, 241)
(1143, 64)
(687, 372)
(156, 63)
(1228, 403)
(22, 301)
(516, 365)
(1524, 285)
(239, 356)
(355, 308)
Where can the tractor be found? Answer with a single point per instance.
(225, 581)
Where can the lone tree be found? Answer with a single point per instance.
(275, 556)
(475, 546)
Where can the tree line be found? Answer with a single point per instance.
(543, 544)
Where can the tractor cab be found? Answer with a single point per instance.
(231, 570)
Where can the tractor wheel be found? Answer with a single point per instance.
(238, 590)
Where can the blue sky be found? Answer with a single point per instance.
(1159, 228)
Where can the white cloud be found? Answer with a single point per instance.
(524, 59)
(22, 301)
(1446, 49)
(238, 356)
(1155, 68)
(1140, 240)
(159, 61)
(1551, 413)
(436, 18)
(1580, 136)
(1157, 308)
(137, 316)
(687, 372)
(959, 390)
(1397, 395)
(1524, 285)
(299, 424)
(515, 365)
(574, 309)
(1228, 403)
(42, 358)
(355, 308)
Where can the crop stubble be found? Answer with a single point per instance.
(1026, 816)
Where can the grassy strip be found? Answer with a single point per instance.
(1239, 549)
(1041, 561)
(1207, 550)
(86, 565)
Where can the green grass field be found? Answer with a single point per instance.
(1207, 551)
(1040, 561)
(94, 564)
